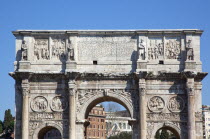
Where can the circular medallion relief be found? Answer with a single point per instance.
(39, 104)
(59, 104)
(176, 104)
(156, 104)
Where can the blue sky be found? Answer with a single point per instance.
(97, 14)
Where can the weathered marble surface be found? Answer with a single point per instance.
(155, 74)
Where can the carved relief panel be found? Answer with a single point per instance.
(173, 47)
(41, 49)
(58, 48)
(155, 48)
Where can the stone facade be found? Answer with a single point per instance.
(155, 74)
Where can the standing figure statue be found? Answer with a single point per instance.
(70, 51)
(189, 48)
(24, 51)
(142, 52)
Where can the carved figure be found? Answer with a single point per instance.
(59, 103)
(24, 51)
(190, 52)
(39, 104)
(142, 52)
(70, 51)
(156, 104)
(176, 104)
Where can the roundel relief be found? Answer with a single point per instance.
(156, 104)
(39, 104)
(176, 104)
(59, 103)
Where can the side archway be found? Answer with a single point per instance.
(167, 126)
(44, 128)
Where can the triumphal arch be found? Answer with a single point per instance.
(155, 74)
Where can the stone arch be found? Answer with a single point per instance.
(167, 125)
(89, 104)
(46, 126)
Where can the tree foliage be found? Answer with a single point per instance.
(7, 126)
(157, 136)
(122, 135)
(164, 134)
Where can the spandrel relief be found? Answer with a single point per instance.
(172, 48)
(155, 49)
(58, 48)
(41, 49)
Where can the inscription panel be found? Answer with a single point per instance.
(109, 48)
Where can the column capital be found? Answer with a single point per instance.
(25, 87)
(72, 87)
(190, 86)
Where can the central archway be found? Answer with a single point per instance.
(49, 132)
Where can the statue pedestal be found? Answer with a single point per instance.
(141, 65)
(71, 65)
(190, 66)
(24, 65)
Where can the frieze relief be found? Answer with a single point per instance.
(41, 49)
(167, 116)
(58, 48)
(39, 104)
(156, 104)
(176, 104)
(59, 103)
(48, 116)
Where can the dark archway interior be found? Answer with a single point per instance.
(175, 134)
(43, 132)
(103, 99)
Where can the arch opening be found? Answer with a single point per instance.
(49, 132)
(107, 117)
(107, 99)
(167, 132)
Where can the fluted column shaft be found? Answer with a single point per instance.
(25, 109)
(72, 110)
(142, 109)
(191, 108)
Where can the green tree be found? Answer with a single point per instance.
(164, 134)
(1, 126)
(157, 136)
(8, 124)
(122, 135)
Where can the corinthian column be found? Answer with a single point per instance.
(142, 109)
(191, 108)
(25, 109)
(72, 110)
